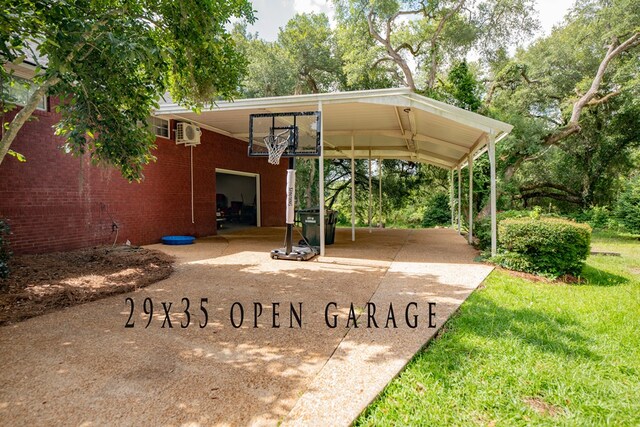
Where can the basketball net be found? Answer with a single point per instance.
(276, 146)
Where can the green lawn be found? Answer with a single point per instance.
(525, 353)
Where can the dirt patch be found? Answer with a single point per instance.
(43, 283)
(542, 407)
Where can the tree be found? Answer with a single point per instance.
(432, 33)
(309, 44)
(566, 96)
(628, 208)
(269, 71)
(462, 89)
(110, 61)
(438, 211)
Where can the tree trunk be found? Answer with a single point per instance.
(23, 115)
(312, 176)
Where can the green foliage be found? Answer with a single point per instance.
(482, 228)
(381, 35)
(5, 252)
(598, 217)
(109, 62)
(438, 211)
(628, 208)
(536, 91)
(462, 87)
(548, 246)
(309, 45)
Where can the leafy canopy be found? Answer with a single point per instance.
(109, 61)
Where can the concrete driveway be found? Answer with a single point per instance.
(81, 366)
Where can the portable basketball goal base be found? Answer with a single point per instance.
(289, 135)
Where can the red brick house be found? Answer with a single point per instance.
(56, 201)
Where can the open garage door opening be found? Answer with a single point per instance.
(237, 200)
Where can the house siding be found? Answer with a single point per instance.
(58, 202)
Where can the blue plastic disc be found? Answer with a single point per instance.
(178, 240)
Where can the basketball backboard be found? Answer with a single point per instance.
(300, 129)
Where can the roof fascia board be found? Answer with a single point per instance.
(293, 100)
(474, 119)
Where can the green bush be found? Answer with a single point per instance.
(5, 253)
(628, 207)
(438, 211)
(548, 246)
(482, 228)
(597, 217)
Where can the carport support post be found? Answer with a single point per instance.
(470, 163)
(380, 190)
(494, 224)
(353, 189)
(321, 180)
(370, 196)
(459, 200)
(451, 196)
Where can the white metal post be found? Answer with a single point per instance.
(494, 224)
(459, 200)
(470, 162)
(321, 181)
(451, 197)
(370, 195)
(380, 190)
(353, 189)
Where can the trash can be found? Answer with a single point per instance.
(310, 219)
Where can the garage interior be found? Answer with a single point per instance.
(237, 201)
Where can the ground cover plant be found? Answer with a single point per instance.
(529, 351)
(42, 283)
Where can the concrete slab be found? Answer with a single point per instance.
(433, 267)
(81, 366)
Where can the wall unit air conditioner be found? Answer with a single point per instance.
(187, 134)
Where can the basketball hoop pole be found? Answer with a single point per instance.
(291, 197)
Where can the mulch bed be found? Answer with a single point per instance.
(562, 280)
(39, 284)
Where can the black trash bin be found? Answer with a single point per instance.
(310, 219)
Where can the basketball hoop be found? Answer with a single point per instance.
(276, 146)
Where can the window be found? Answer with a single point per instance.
(160, 127)
(20, 91)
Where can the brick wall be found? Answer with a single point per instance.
(58, 202)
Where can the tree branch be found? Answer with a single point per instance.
(603, 99)
(393, 53)
(433, 42)
(23, 115)
(612, 52)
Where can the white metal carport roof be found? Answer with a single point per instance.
(381, 124)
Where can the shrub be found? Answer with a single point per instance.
(597, 217)
(482, 228)
(548, 246)
(5, 253)
(438, 211)
(628, 207)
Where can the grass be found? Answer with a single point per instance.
(521, 352)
